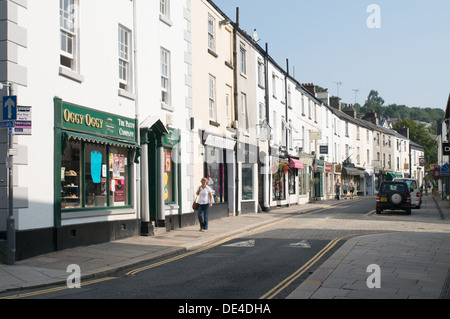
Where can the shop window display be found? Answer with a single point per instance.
(291, 181)
(70, 176)
(94, 175)
(215, 172)
(118, 176)
(168, 176)
(247, 181)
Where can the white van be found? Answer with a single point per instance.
(414, 189)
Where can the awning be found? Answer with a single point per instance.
(390, 175)
(96, 139)
(353, 171)
(295, 163)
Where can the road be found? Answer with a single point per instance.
(268, 263)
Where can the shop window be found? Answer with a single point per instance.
(291, 181)
(247, 182)
(302, 182)
(70, 175)
(94, 175)
(215, 172)
(169, 175)
(118, 176)
(278, 186)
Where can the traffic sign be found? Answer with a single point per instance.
(9, 108)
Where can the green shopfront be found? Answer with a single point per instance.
(94, 171)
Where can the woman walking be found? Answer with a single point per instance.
(352, 189)
(338, 189)
(204, 201)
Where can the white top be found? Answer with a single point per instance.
(203, 197)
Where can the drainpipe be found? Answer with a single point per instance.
(137, 131)
(286, 103)
(267, 190)
(236, 114)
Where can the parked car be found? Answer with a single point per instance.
(393, 196)
(414, 189)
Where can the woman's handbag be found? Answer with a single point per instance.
(195, 204)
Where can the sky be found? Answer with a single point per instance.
(400, 48)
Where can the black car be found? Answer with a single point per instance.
(394, 196)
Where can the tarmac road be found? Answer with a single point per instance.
(415, 246)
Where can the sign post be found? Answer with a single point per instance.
(9, 116)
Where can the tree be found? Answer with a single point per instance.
(418, 134)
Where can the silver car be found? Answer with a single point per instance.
(414, 189)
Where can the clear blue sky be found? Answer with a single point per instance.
(407, 59)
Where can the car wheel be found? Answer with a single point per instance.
(408, 211)
(378, 211)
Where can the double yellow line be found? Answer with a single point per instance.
(166, 261)
(50, 290)
(289, 280)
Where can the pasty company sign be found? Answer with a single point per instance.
(82, 119)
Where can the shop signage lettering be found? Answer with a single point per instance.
(81, 119)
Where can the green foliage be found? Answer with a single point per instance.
(419, 134)
(375, 103)
(407, 117)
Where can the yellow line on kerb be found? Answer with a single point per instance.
(166, 261)
(56, 289)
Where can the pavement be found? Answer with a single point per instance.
(413, 258)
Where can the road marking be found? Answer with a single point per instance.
(289, 280)
(302, 244)
(169, 260)
(370, 213)
(56, 289)
(247, 243)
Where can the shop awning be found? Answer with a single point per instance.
(390, 175)
(295, 163)
(353, 171)
(96, 139)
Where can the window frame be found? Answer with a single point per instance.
(212, 98)
(69, 30)
(124, 57)
(83, 184)
(165, 64)
(211, 33)
(164, 8)
(243, 59)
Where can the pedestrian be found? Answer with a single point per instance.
(444, 191)
(338, 189)
(204, 201)
(345, 189)
(352, 189)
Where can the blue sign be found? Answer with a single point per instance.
(6, 124)
(9, 108)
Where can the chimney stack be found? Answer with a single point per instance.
(324, 96)
(371, 116)
(310, 87)
(335, 101)
(350, 110)
(404, 131)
